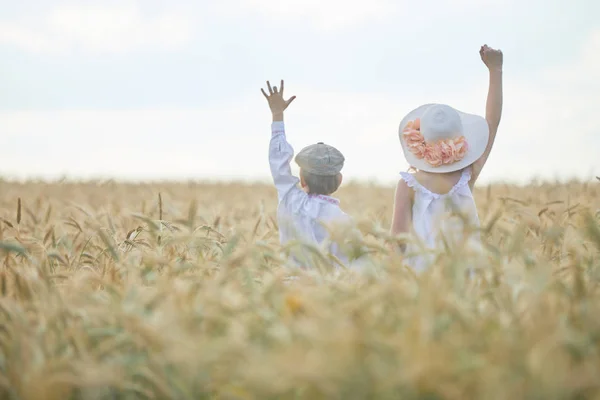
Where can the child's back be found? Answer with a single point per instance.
(304, 214)
(437, 200)
(449, 149)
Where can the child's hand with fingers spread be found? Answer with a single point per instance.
(276, 102)
(492, 58)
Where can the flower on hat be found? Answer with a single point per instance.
(442, 152)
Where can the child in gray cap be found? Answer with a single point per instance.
(303, 212)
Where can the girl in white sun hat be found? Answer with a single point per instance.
(448, 149)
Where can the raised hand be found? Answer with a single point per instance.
(492, 58)
(276, 102)
(493, 109)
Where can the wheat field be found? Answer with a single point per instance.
(179, 291)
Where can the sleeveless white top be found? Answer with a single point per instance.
(432, 218)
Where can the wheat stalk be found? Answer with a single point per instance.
(97, 301)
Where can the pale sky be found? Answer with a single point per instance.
(171, 89)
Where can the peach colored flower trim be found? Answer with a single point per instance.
(442, 152)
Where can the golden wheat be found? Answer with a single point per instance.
(179, 291)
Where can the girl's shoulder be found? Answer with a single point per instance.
(409, 179)
(406, 185)
(417, 181)
(441, 184)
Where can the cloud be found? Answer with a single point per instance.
(338, 15)
(230, 140)
(548, 128)
(97, 30)
(325, 15)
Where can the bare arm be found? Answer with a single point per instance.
(402, 214)
(493, 59)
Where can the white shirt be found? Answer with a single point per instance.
(432, 218)
(300, 215)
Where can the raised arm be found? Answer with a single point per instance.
(493, 59)
(280, 151)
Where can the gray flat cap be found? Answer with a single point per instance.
(320, 159)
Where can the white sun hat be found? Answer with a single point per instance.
(438, 138)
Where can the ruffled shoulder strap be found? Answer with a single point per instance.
(413, 183)
(463, 182)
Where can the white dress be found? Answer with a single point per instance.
(435, 218)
